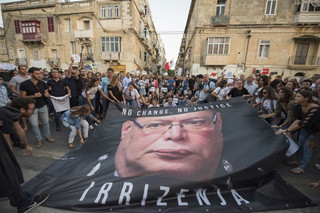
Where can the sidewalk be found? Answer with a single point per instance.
(50, 152)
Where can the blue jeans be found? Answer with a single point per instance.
(132, 102)
(44, 118)
(304, 153)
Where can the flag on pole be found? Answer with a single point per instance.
(167, 66)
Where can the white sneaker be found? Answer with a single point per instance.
(91, 127)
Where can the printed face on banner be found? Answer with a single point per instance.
(186, 146)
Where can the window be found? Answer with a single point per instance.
(11, 54)
(68, 25)
(109, 11)
(146, 57)
(218, 45)
(86, 25)
(264, 49)
(73, 47)
(110, 44)
(310, 6)
(116, 11)
(140, 53)
(221, 6)
(50, 24)
(271, 7)
(30, 27)
(36, 54)
(103, 11)
(146, 10)
(17, 26)
(3, 48)
(54, 53)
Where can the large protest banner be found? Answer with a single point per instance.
(215, 157)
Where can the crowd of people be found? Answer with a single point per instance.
(79, 99)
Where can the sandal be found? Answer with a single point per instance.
(71, 145)
(292, 163)
(299, 170)
(81, 141)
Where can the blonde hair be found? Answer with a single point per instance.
(79, 111)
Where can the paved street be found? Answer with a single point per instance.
(42, 158)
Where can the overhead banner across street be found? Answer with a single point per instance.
(216, 157)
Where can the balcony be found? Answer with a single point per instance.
(54, 62)
(111, 56)
(21, 61)
(84, 35)
(220, 20)
(307, 18)
(304, 62)
(34, 38)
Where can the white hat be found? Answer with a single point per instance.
(165, 74)
(229, 75)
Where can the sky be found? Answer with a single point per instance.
(169, 18)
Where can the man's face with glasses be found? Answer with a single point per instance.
(186, 146)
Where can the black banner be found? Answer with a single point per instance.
(215, 157)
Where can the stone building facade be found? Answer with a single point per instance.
(252, 35)
(108, 33)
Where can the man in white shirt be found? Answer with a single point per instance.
(250, 85)
(170, 103)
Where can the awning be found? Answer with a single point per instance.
(307, 37)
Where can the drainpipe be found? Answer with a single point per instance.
(247, 47)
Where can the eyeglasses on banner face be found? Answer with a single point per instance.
(189, 125)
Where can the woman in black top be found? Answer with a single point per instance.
(307, 116)
(114, 89)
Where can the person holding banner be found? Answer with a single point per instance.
(59, 96)
(186, 146)
(307, 116)
(75, 118)
(131, 96)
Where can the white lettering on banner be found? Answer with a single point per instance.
(166, 192)
(127, 188)
(104, 192)
(125, 193)
(86, 191)
(202, 196)
(156, 112)
(145, 194)
(223, 201)
(238, 198)
(182, 195)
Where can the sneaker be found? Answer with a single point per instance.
(50, 139)
(91, 127)
(38, 200)
(39, 144)
(21, 145)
